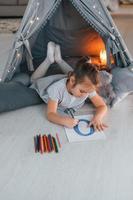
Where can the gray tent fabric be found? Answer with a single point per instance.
(38, 15)
(71, 24)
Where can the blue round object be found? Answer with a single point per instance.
(90, 129)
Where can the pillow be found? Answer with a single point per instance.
(22, 78)
(14, 95)
(122, 82)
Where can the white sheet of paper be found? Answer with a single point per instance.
(73, 136)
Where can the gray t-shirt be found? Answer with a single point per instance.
(58, 92)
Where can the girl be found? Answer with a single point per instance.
(71, 91)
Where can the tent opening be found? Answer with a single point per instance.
(75, 36)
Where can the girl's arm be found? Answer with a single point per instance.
(101, 110)
(101, 107)
(54, 117)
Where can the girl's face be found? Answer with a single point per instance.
(81, 89)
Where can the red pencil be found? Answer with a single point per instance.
(57, 137)
(44, 144)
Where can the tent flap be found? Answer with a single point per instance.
(38, 15)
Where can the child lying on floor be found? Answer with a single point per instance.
(72, 91)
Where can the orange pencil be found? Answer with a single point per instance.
(41, 145)
(55, 145)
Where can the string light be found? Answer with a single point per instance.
(34, 17)
(18, 55)
(0, 79)
(31, 21)
(94, 6)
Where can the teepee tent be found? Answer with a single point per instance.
(71, 23)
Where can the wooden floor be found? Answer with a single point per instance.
(94, 170)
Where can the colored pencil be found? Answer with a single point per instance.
(53, 144)
(41, 145)
(38, 143)
(71, 113)
(48, 145)
(57, 137)
(35, 144)
(50, 142)
(56, 148)
(45, 141)
(44, 145)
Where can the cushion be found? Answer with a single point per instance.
(122, 82)
(14, 95)
(22, 78)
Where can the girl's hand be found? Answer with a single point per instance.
(71, 122)
(98, 124)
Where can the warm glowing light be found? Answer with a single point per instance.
(103, 57)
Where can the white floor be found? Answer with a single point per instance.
(94, 170)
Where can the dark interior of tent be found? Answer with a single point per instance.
(75, 36)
